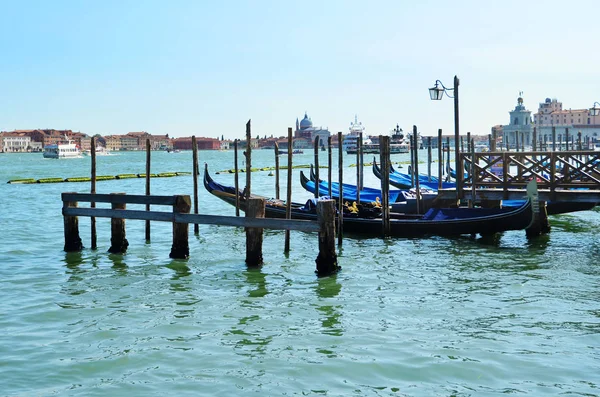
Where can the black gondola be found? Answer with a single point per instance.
(441, 221)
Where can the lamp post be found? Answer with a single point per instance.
(436, 93)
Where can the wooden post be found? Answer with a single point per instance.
(180, 248)
(473, 174)
(317, 182)
(329, 164)
(384, 160)
(448, 159)
(579, 147)
(148, 186)
(567, 138)
(248, 154)
(517, 141)
(429, 159)
(440, 159)
(254, 236)
(416, 169)
(93, 191)
(327, 259)
(236, 177)
(341, 180)
(494, 138)
(288, 203)
(534, 139)
(553, 138)
(276, 171)
(72, 239)
(195, 177)
(118, 241)
(361, 167)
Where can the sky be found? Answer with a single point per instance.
(205, 68)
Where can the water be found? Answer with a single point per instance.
(405, 317)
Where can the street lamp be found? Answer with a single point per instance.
(437, 93)
(595, 111)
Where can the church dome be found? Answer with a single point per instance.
(306, 122)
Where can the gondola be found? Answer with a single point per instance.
(403, 200)
(440, 222)
(404, 181)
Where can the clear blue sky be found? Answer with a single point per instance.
(205, 67)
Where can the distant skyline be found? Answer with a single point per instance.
(204, 68)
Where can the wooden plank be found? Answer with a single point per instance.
(265, 223)
(158, 216)
(128, 199)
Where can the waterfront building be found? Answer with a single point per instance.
(520, 123)
(572, 121)
(306, 133)
(12, 142)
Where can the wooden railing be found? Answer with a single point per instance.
(180, 217)
(554, 171)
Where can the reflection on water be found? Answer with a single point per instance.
(256, 280)
(181, 287)
(328, 288)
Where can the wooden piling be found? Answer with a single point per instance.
(327, 258)
(329, 164)
(416, 169)
(147, 229)
(93, 191)
(316, 150)
(72, 240)
(429, 159)
(473, 175)
(494, 138)
(448, 159)
(236, 177)
(340, 229)
(384, 160)
(254, 236)
(180, 248)
(276, 171)
(118, 240)
(248, 154)
(440, 159)
(553, 139)
(361, 168)
(534, 139)
(195, 177)
(288, 202)
(517, 141)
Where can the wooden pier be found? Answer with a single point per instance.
(180, 218)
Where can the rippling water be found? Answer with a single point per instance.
(405, 317)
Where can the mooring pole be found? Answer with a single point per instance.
(248, 154)
(384, 160)
(196, 172)
(317, 181)
(236, 178)
(254, 236)
(288, 203)
(93, 191)
(327, 258)
(71, 225)
(180, 248)
(429, 159)
(118, 240)
(329, 163)
(276, 171)
(416, 170)
(440, 159)
(341, 180)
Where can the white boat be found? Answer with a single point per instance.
(398, 144)
(62, 150)
(350, 140)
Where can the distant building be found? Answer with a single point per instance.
(306, 133)
(521, 124)
(15, 142)
(572, 121)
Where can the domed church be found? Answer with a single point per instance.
(305, 133)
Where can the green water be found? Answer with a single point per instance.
(405, 317)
